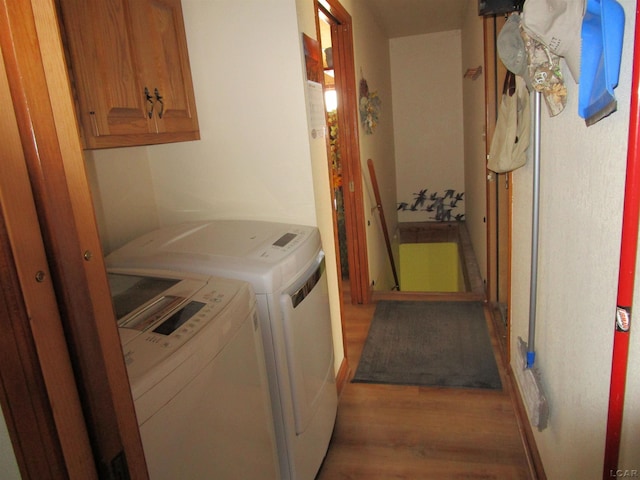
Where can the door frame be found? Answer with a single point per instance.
(91, 422)
(353, 190)
(498, 186)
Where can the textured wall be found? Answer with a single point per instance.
(582, 179)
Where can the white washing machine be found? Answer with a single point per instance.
(193, 349)
(285, 265)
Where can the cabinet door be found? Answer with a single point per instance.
(130, 68)
(164, 63)
(111, 98)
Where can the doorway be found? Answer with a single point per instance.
(334, 31)
(333, 25)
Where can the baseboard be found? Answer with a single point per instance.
(526, 433)
(536, 469)
(394, 295)
(343, 375)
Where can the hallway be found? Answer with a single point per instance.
(396, 432)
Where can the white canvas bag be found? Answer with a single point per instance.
(512, 135)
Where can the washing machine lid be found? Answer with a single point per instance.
(270, 256)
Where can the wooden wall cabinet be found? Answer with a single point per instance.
(130, 71)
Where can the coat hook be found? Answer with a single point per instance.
(473, 73)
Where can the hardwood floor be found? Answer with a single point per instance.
(397, 432)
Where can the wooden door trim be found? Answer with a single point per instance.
(491, 113)
(494, 71)
(32, 424)
(41, 96)
(48, 432)
(353, 190)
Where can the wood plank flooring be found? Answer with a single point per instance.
(396, 432)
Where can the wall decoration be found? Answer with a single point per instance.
(441, 206)
(315, 105)
(369, 108)
(312, 59)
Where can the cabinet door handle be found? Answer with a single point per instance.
(149, 98)
(159, 100)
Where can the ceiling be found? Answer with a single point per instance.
(401, 18)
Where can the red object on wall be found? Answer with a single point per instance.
(626, 276)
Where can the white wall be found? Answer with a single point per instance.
(582, 180)
(123, 194)
(372, 63)
(426, 76)
(474, 135)
(323, 197)
(8, 463)
(253, 158)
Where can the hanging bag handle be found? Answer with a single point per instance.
(509, 86)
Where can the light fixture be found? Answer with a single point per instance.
(330, 100)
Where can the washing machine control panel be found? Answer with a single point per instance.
(169, 327)
(285, 242)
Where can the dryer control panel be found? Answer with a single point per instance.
(276, 245)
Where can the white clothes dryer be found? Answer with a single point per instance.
(285, 265)
(193, 349)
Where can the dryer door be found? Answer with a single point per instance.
(308, 342)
